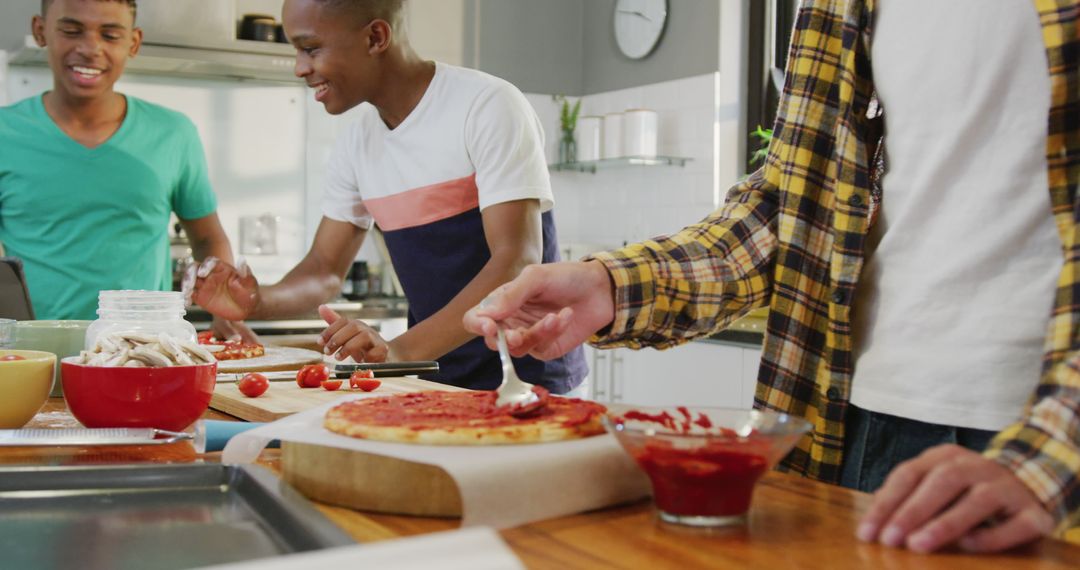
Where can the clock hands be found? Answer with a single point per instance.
(635, 13)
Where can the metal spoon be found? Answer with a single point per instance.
(513, 392)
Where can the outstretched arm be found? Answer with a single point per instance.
(235, 294)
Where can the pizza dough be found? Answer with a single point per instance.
(462, 418)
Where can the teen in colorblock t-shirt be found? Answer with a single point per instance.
(473, 141)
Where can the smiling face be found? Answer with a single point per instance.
(335, 52)
(88, 43)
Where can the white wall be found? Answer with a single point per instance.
(628, 204)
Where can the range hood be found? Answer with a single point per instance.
(192, 38)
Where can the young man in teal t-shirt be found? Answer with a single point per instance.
(89, 177)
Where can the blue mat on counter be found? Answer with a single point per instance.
(218, 433)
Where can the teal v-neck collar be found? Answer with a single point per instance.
(39, 103)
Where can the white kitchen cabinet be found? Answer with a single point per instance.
(697, 373)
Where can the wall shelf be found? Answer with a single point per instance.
(592, 166)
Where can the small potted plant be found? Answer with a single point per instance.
(568, 115)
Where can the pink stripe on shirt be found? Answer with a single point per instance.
(425, 205)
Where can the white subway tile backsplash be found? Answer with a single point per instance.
(635, 203)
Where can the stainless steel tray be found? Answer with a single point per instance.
(153, 517)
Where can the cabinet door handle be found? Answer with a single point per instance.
(616, 381)
(600, 388)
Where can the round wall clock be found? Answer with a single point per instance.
(639, 25)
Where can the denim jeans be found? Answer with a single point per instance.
(875, 443)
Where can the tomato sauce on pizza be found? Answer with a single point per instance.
(231, 349)
(462, 418)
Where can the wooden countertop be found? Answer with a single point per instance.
(794, 523)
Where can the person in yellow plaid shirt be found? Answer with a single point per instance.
(909, 314)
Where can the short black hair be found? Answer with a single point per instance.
(131, 4)
(368, 10)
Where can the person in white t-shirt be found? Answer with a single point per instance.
(448, 162)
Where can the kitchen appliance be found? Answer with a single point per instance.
(258, 27)
(180, 256)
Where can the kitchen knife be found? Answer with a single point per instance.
(383, 369)
(380, 369)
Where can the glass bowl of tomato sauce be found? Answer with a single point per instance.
(704, 462)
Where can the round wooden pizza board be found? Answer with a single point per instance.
(276, 358)
(369, 482)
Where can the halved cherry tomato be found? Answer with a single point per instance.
(253, 385)
(364, 380)
(11, 357)
(331, 384)
(368, 384)
(358, 375)
(312, 375)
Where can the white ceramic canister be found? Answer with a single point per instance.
(589, 138)
(639, 130)
(613, 124)
(147, 312)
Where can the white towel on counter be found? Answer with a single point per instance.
(478, 548)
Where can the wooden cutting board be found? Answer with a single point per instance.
(285, 398)
(373, 482)
(276, 358)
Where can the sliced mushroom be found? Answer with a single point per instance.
(197, 352)
(151, 357)
(118, 358)
(140, 338)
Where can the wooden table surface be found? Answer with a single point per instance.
(794, 523)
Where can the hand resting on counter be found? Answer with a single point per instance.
(352, 337)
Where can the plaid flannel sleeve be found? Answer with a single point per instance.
(1043, 449)
(673, 288)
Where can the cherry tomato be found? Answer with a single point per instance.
(253, 385)
(11, 357)
(331, 384)
(364, 380)
(312, 375)
(358, 375)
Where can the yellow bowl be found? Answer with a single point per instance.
(24, 385)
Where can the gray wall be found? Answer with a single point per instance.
(689, 47)
(534, 44)
(568, 46)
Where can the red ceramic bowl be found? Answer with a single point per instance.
(165, 398)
